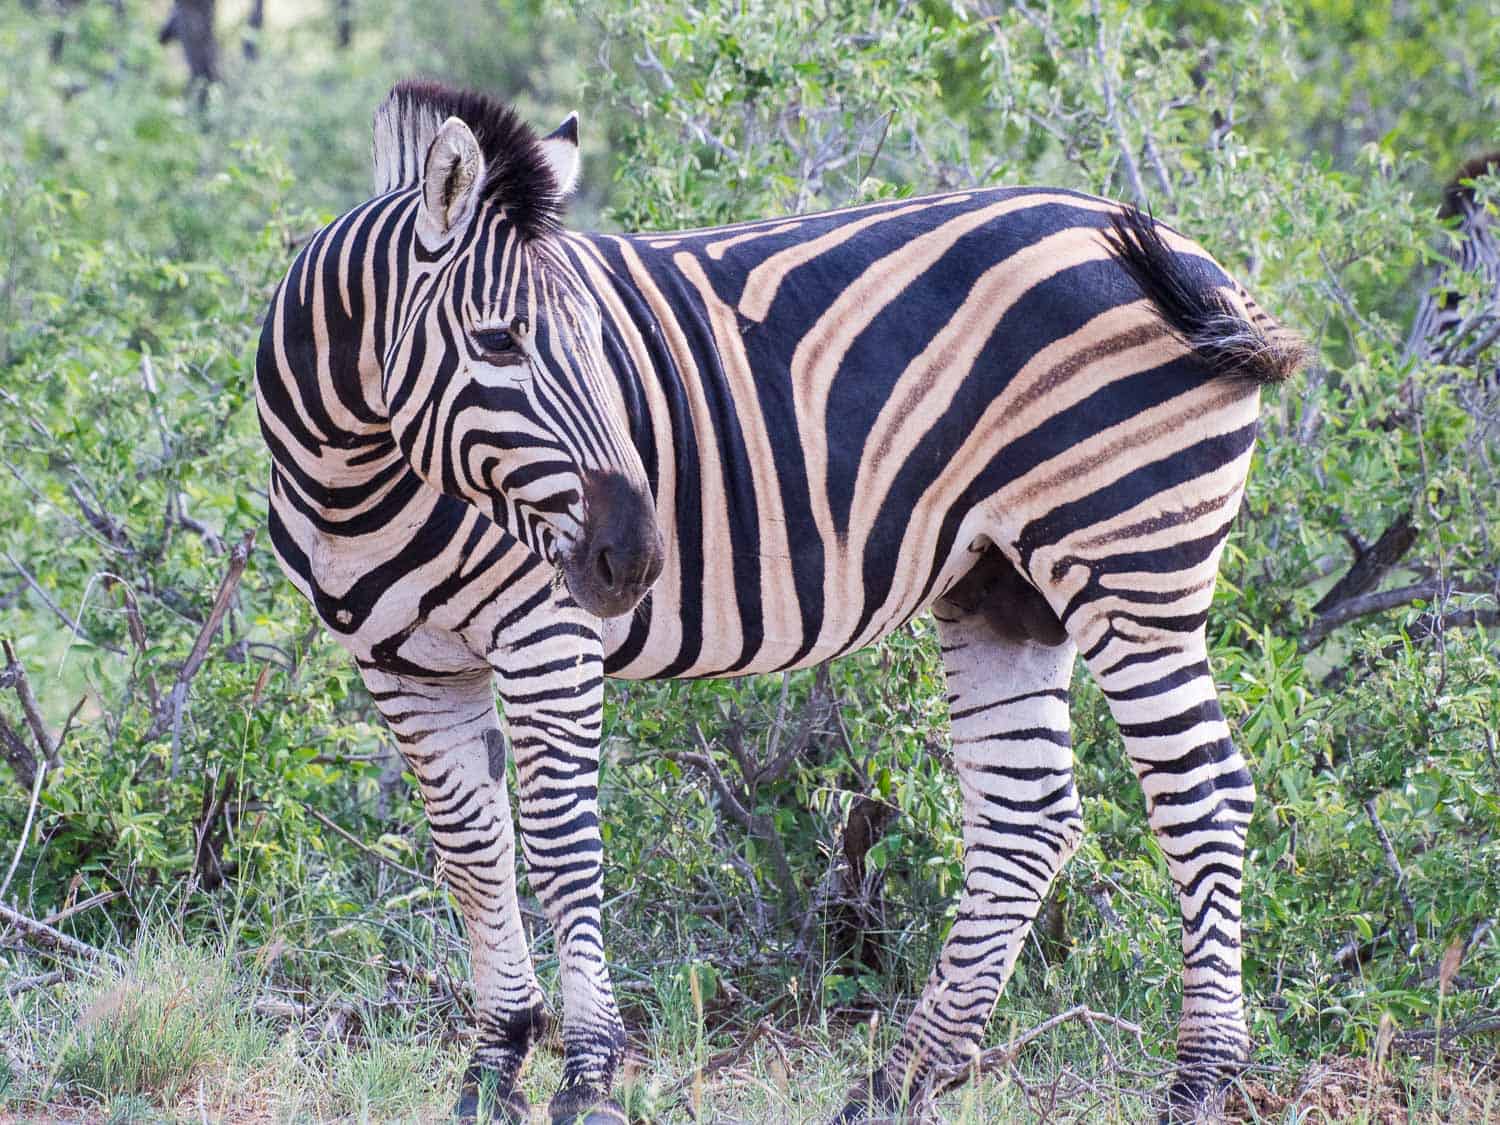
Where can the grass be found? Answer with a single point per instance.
(177, 1035)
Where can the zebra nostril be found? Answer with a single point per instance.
(604, 568)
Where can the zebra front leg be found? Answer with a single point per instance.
(553, 708)
(1012, 750)
(450, 736)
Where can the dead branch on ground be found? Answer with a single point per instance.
(46, 937)
(1004, 1057)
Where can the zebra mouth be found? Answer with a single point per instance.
(619, 555)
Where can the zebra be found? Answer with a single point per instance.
(1443, 330)
(508, 458)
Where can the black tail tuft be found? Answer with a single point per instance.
(1234, 344)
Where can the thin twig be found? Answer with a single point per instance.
(1153, 154)
(62, 614)
(67, 727)
(880, 144)
(997, 1058)
(238, 558)
(36, 793)
(89, 903)
(137, 630)
(1112, 111)
(349, 837)
(1394, 863)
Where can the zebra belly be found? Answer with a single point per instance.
(675, 638)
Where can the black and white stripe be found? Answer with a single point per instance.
(1446, 328)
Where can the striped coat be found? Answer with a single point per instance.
(508, 457)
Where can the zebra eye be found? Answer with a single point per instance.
(498, 343)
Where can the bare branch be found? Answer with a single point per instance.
(101, 521)
(137, 630)
(36, 587)
(14, 675)
(43, 935)
(1153, 153)
(22, 758)
(1378, 602)
(732, 802)
(1394, 863)
(1112, 110)
(739, 808)
(238, 558)
(1371, 563)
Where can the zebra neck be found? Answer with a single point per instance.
(319, 368)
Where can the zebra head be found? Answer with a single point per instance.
(497, 384)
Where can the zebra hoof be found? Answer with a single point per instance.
(871, 1103)
(580, 1105)
(1195, 1101)
(860, 1113)
(482, 1101)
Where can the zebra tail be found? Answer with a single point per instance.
(1237, 340)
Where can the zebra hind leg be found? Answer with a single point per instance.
(450, 736)
(1199, 798)
(1012, 750)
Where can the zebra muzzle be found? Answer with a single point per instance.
(619, 555)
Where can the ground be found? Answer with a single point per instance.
(184, 1035)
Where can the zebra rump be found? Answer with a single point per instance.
(1233, 342)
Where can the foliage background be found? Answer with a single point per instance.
(263, 842)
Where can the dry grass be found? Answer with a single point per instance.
(176, 1036)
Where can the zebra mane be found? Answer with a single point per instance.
(1458, 196)
(516, 174)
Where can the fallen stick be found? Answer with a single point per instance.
(997, 1058)
(1482, 1024)
(41, 934)
(79, 907)
(26, 984)
(724, 1060)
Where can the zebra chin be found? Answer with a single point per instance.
(618, 556)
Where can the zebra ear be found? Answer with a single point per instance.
(452, 177)
(560, 147)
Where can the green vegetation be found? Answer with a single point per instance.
(230, 829)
